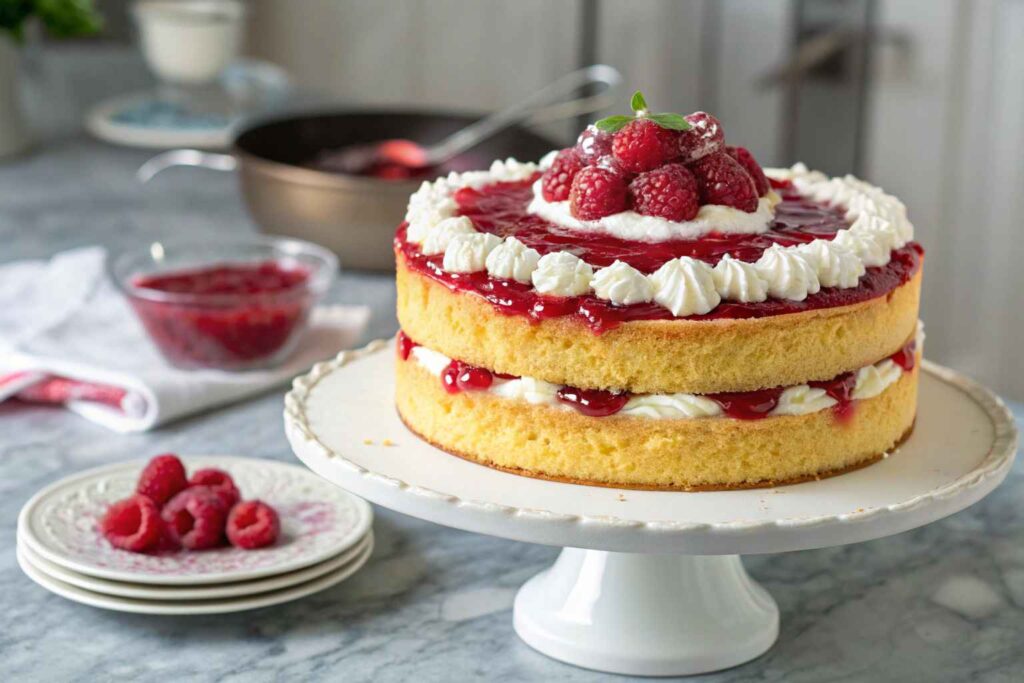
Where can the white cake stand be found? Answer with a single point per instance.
(649, 582)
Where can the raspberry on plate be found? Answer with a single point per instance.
(195, 518)
(218, 480)
(705, 136)
(721, 180)
(252, 524)
(643, 145)
(557, 180)
(668, 192)
(133, 524)
(592, 144)
(162, 477)
(597, 192)
(750, 165)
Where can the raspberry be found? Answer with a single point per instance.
(721, 180)
(162, 477)
(668, 192)
(597, 192)
(705, 136)
(643, 145)
(252, 524)
(750, 165)
(195, 518)
(557, 180)
(167, 542)
(592, 144)
(133, 524)
(221, 483)
(608, 162)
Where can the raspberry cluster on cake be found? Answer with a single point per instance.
(650, 309)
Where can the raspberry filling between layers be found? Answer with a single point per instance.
(838, 394)
(502, 209)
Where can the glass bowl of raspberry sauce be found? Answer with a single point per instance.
(235, 304)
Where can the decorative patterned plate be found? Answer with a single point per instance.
(318, 521)
(186, 607)
(234, 589)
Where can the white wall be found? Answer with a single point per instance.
(946, 133)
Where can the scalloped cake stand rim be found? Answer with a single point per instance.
(324, 418)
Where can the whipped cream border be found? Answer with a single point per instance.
(878, 221)
(801, 399)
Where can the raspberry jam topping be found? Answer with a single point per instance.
(593, 402)
(459, 376)
(226, 316)
(501, 209)
(748, 405)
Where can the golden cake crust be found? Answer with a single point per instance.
(637, 452)
(659, 356)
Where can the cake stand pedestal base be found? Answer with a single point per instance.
(646, 615)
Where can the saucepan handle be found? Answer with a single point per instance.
(600, 77)
(547, 103)
(185, 157)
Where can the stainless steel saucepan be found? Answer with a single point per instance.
(288, 192)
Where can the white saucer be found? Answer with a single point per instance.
(143, 591)
(189, 607)
(318, 522)
(142, 120)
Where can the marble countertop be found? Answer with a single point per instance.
(942, 603)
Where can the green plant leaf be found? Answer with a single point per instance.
(67, 18)
(638, 102)
(13, 14)
(670, 121)
(611, 124)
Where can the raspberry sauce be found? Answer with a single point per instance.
(228, 316)
(906, 357)
(500, 208)
(740, 405)
(841, 390)
(593, 402)
(405, 345)
(748, 405)
(459, 376)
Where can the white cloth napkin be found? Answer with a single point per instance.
(63, 319)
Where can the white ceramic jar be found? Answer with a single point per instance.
(189, 42)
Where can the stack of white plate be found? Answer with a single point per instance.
(325, 537)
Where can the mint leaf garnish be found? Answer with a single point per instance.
(638, 103)
(611, 124)
(670, 121)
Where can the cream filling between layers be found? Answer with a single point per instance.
(801, 399)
